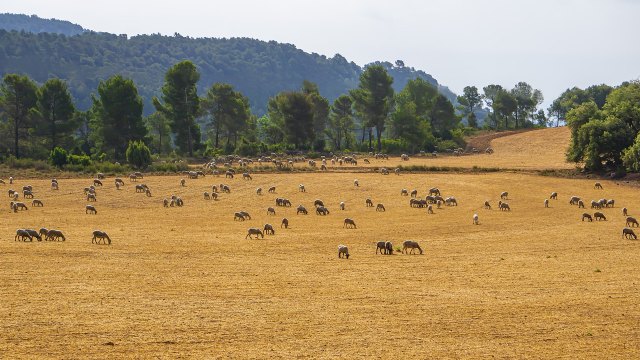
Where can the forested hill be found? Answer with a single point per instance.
(36, 25)
(258, 69)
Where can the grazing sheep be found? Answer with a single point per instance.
(349, 223)
(580, 204)
(54, 185)
(183, 182)
(133, 177)
(546, 203)
(434, 191)
(356, 183)
(487, 205)
(475, 219)
(409, 244)
(301, 209)
(254, 231)
(246, 176)
(384, 171)
(165, 202)
(55, 235)
(141, 188)
(504, 206)
(207, 196)
(36, 203)
(599, 216)
(368, 203)
(91, 197)
(595, 204)
(396, 171)
(451, 201)
(574, 200)
(382, 247)
(214, 196)
(214, 189)
(99, 236)
(624, 211)
(404, 192)
(429, 209)
(381, 208)
(138, 175)
(587, 216)
(554, 196)
(22, 235)
(34, 234)
(610, 203)
(97, 182)
(27, 194)
(343, 251)
(285, 223)
(43, 232)
(147, 192)
(119, 181)
(342, 205)
(629, 234)
(414, 193)
(504, 195)
(259, 191)
(19, 206)
(100, 176)
(597, 185)
(245, 214)
(10, 180)
(321, 210)
(301, 188)
(631, 221)
(90, 209)
(27, 188)
(272, 189)
(271, 211)
(179, 201)
(318, 202)
(226, 189)
(268, 229)
(389, 246)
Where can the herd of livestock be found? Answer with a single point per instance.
(434, 198)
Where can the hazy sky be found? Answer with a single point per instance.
(551, 44)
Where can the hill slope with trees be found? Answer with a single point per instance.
(258, 69)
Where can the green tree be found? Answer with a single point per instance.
(320, 112)
(229, 111)
(527, 99)
(159, 129)
(138, 154)
(470, 100)
(491, 93)
(602, 143)
(56, 112)
(18, 100)
(270, 130)
(624, 104)
(295, 111)
(117, 116)
(443, 117)
(374, 99)
(504, 106)
(341, 122)
(631, 156)
(181, 104)
(58, 157)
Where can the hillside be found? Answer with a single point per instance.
(257, 68)
(34, 24)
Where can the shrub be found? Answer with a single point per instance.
(82, 160)
(248, 149)
(138, 154)
(58, 157)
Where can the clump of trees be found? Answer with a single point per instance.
(605, 125)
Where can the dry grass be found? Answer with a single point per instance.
(183, 282)
(532, 150)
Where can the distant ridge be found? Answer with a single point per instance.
(35, 24)
(43, 49)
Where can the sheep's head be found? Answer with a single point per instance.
(347, 255)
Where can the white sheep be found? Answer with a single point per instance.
(475, 219)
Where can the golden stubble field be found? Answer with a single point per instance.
(184, 282)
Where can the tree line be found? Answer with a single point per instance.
(37, 119)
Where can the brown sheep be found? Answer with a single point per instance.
(301, 209)
(368, 203)
(381, 208)
(271, 211)
(90, 209)
(382, 247)
(55, 235)
(36, 203)
(285, 223)
(504, 195)
(554, 196)
(343, 251)
(587, 216)
(254, 231)
(629, 234)
(599, 216)
(487, 205)
(268, 229)
(99, 236)
(546, 203)
(349, 223)
(597, 185)
(272, 189)
(631, 221)
(624, 212)
(409, 244)
(404, 192)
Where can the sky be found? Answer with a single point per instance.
(551, 44)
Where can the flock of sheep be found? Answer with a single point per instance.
(434, 198)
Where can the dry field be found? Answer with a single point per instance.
(184, 282)
(532, 150)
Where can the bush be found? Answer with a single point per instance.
(82, 160)
(138, 154)
(169, 167)
(58, 157)
(248, 149)
(394, 146)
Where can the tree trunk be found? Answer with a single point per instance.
(217, 133)
(16, 149)
(370, 143)
(379, 135)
